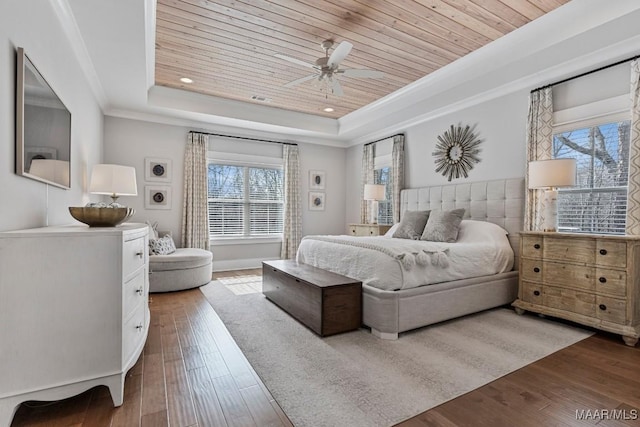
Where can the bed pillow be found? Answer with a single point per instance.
(412, 225)
(480, 231)
(443, 226)
(392, 230)
(162, 246)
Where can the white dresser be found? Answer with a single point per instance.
(73, 311)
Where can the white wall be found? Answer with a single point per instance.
(34, 26)
(128, 142)
(500, 124)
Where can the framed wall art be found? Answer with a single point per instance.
(316, 180)
(157, 197)
(156, 169)
(316, 200)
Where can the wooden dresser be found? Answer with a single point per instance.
(589, 279)
(73, 311)
(368, 229)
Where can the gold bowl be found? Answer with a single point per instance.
(101, 217)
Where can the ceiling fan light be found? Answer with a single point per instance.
(186, 80)
(328, 110)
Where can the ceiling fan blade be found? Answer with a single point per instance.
(294, 60)
(301, 80)
(370, 74)
(336, 87)
(339, 54)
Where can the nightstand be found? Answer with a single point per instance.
(368, 229)
(588, 279)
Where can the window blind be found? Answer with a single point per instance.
(245, 200)
(385, 208)
(598, 201)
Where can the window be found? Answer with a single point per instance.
(598, 202)
(245, 201)
(385, 209)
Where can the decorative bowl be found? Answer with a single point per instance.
(101, 217)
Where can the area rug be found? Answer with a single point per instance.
(354, 379)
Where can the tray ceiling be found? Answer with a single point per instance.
(228, 47)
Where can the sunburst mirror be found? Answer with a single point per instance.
(457, 151)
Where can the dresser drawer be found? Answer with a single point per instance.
(569, 275)
(532, 292)
(365, 230)
(611, 309)
(133, 332)
(575, 250)
(133, 256)
(133, 294)
(611, 281)
(570, 300)
(531, 269)
(532, 246)
(611, 254)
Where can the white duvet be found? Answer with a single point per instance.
(482, 249)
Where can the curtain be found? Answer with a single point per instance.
(397, 175)
(633, 186)
(292, 230)
(368, 157)
(539, 142)
(195, 220)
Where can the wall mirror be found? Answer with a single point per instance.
(43, 128)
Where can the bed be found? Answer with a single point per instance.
(391, 304)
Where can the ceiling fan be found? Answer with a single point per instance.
(326, 69)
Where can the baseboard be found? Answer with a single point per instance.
(239, 264)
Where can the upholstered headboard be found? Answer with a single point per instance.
(499, 201)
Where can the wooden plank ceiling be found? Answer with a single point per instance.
(227, 47)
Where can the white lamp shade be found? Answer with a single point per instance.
(52, 170)
(374, 192)
(552, 173)
(113, 179)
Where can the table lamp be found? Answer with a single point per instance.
(374, 193)
(549, 175)
(113, 180)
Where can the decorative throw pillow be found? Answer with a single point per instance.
(443, 226)
(411, 225)
(153, 229)
(162, 246)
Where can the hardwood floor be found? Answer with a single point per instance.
(192, 373)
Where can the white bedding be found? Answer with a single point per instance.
(380, 262)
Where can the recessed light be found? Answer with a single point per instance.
(328, 110)
(186, 80)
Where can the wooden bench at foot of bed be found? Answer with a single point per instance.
(325, 302)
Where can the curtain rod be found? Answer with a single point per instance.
(382, 139)
(586, 73)
(242, 137)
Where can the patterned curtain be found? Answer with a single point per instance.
(292, 233)
(368, 157)
(195, 221)
(397, 175)
(633, 188)
(539, 142)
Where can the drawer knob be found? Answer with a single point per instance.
(140, 254)
(536, 246)
(536, 293)
(140, 291)
(370, 231)
(603, 251)
(602, 307)
(139, 327)
(536, 270)
(603, 280)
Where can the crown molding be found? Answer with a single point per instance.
(70, 27)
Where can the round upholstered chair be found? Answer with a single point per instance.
(185, 268)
